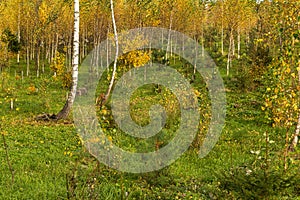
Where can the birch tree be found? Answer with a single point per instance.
(75, 61)
(283, 80)
(234, 17)
(116, 55)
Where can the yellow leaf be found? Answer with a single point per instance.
(4, 132)
(295, 107)
(293, 75)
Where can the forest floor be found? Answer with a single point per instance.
(46, 160)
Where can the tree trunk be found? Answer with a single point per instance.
(37, 59)
(233, 45)
(32, 48)
(19, 33)
(222, 30)
(239, 45)
(229, 53)
(222, 40)
(27, 48)
(27, 59)
(202, 41)
(116, 55)
(107, 53)
(169, 38)
(52, 49)
(55, 46)
(296, 135)
(71, 96)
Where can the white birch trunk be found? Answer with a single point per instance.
(169, 37)
(239, 44)
(296, 135)
(19, 33)
(222, 36)
(222, 40)
(107, 53)
(229, 54)
(117, 52)
(233, 45)
(71, 96)
(27, 60)
(202, 41)
(202, 29)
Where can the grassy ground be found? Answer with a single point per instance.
(48, 160)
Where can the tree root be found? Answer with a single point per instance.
(46, 117)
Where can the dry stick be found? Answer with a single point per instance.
(8, 161)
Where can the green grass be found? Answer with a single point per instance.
(50, 162)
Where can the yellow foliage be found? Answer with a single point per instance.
(31, 89)
(4, 132)
(282, 99)
(43, 12)
(58, 66)
(135, 58)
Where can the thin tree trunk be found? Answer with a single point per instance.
(27, 60)
(82, 44)
(52, 49)
(32, 47)
(202, 41)
(107, 53)
(71, 96)
(222, 36)
(202, 29)
(55, 46)
(222, 40)
(233, 45)
(296, 135)
(229, 54)
(47, 50)
(169, 37)
(116, 55)
(43, 57)
(37, 59)
(239, 44)
(19, 33)
(196, 58)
